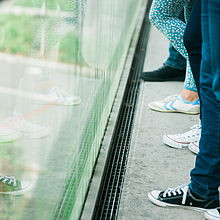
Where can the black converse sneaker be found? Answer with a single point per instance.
(213, 214)
(181, 196)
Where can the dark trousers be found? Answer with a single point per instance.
(205, 177)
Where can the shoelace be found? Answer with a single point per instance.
(179, 190)
(10, 180)
(188, 133)
(198, 126)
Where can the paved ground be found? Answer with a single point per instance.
(151, 164)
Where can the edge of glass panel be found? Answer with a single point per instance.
(99, 168)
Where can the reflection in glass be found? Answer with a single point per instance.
(61, 63)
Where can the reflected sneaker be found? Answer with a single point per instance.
(181, 196)
(164, 73)
(31, 130)
(194, 147)
(213, 214)
(176, 103)
(183, 140)
(61, 97)
(9, 135)
(12, 186)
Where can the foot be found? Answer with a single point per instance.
(12, 186)
(17, 123)
(176, 103)
(181, 196)
(194, 147)
(183, 140)
(164, 73)
(213, 214)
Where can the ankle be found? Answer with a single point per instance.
(189, 95)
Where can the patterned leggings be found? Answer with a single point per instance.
(164, 15)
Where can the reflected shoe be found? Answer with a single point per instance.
(9, 135)
(61, 97)
(181, 196)
(28, 129)
(194, 147)
(164, 73)
(12, 186)
(183, 140)
(213, 214)
(176, 103)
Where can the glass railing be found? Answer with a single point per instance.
(61, 62)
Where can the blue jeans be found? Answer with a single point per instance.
(205, 177)
(175, 59)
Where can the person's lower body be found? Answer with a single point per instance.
(205, 177)
(164, 15)
(173, 69)
(202, 192)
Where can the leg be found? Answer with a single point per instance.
(163, 15)
(205, 177)
(193, 41)
(173, 69)
(175, 59)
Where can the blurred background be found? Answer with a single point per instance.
(61, 62)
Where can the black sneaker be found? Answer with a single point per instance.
(181, 196)
(213, 214)
(164, 73)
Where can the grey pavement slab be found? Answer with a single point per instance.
(151, 164)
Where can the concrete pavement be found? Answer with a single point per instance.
(151, 164)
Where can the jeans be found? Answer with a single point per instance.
(193, 43)
(175, 59)
(205, 177)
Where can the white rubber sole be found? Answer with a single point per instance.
(172, 143)
(209, 216)
(19, 192)
(164, 204)
(35, 135)
(193, 148)
(172, 111)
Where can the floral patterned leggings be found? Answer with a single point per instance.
(164, 15)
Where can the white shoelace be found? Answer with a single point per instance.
(179, 190)
(10, 180)
(198, 126)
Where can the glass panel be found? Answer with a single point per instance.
(61, 63)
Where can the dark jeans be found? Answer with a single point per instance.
(205, 177)
(193, 43)
(175, 59)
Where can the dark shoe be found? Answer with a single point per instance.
(164, 73)
(213, 214)
(181, 196)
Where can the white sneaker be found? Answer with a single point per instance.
(176, 103)
(9, 135)
(18, 124)
(183, 140)
(60, 97)
(194, 147)
(213, 214)
(12, 186)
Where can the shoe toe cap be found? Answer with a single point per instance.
(213, 212)
(155, 194)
